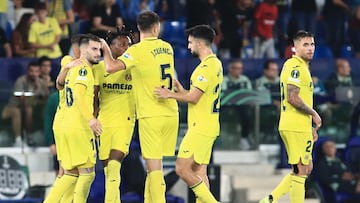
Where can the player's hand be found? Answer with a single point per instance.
(162, 92)
(103, 43)
(315, 134)
(317, 120)
(177, 86)
(73, 63)
(95, 126)
(53, 149)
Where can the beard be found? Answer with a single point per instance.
(194, 54)
(93, 61)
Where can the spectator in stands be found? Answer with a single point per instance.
(333, 173)
(29, 91)
(342, 76)
(19, 11)
(105, 17)
(270, 81)
(45, 34)
(354, 31)
(19, 37)
(335, 14)
(82, 8)
(235, 80)
(284, 9)
(165, 10)
(45, 64)
(31, 3)
(5, 47)
(136, 7)
(304, 13)
(204, 12)
(3, 11)
(266, 15)
(62, 11)
(235, 17)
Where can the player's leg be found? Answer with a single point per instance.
(83, 184)
(302, 166)
(284, 186)
(68, 180)
(193, 157)
(83, 157)
(160, 132)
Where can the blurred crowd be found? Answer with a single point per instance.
(245, 28)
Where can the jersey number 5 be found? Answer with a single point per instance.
(165, 75)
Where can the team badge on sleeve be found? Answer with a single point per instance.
(127, 56)
(295, 74)
(201, 78)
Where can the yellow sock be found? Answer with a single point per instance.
(68, 195)
(113, 182)
(147, 195)
(203, 193)
(82, 187)
(157, 186)
(297, 189)
(282, 188)
(60, 187)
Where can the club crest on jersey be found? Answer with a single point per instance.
(295, 74)
(128, 77)
(128, 56)
(201, 78)
(82, 72)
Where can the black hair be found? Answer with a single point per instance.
(87, 38)
(302, 34)
(146, 20)
(32, 63)
(40, 6)
(204, 32)
(76, 38)
(121, 32)
(267, 63)
(42, 59)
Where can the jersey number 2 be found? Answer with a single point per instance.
(216, 105)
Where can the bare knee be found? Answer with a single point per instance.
(86, 170)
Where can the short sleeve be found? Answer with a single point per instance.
(57, 29)
(201, 78)
(129, 58)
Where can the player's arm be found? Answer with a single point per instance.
(60, 80)
(94, 124)
(294, 99)
(111, 65)
(96, 100)
(181, 94)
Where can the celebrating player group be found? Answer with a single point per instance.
(100, 100)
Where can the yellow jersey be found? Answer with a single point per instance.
(204, 115)
(115, 96)
(59, 112)
(151, 62)
(3, 6)
(79, 75)
(45, 34)
(296, 72)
